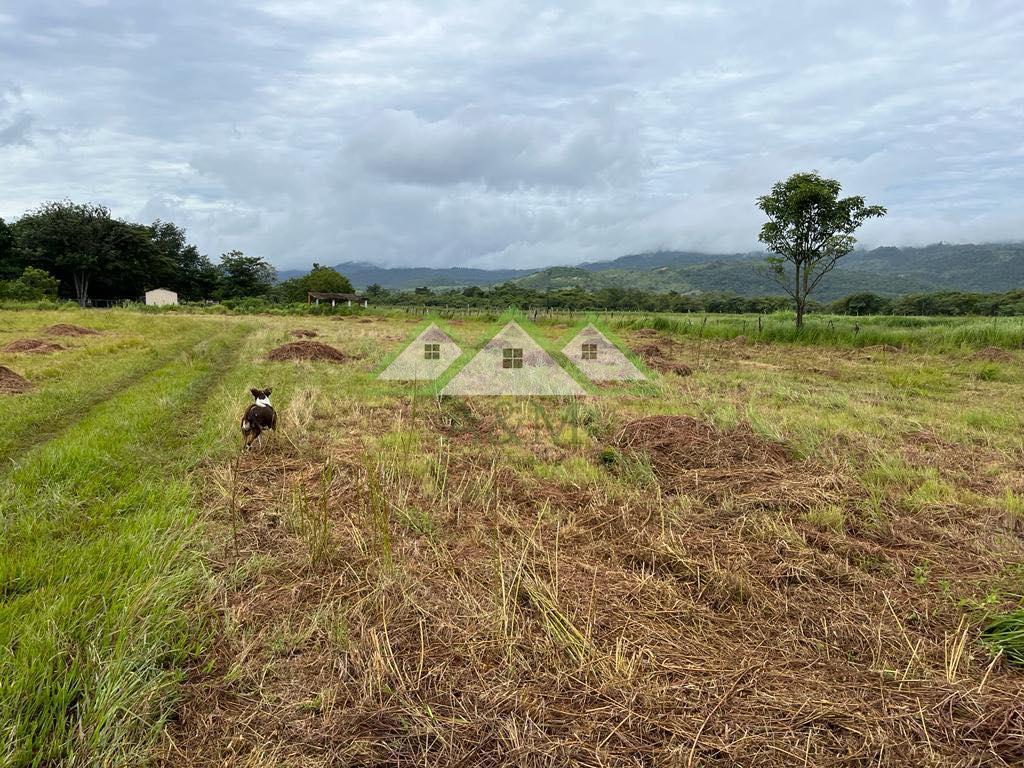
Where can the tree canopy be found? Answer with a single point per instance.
(245, 276)
(320, 279)
(94, 255)
(809, 229)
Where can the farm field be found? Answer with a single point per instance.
(771, 554)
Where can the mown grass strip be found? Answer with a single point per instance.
(86, 377)
(97, 564)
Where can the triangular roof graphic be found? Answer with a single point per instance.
(418, 362)
(599, 359)
(512, 363)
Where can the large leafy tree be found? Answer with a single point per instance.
(69, 240)
(320, 279)
(244, 276)
(9, 263)
(809, 229)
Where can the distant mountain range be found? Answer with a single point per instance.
(888, 271)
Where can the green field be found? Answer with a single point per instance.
(810, 551)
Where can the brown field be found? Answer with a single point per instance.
(781, 560)
(787, 556)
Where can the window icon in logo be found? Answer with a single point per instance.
(588, 352)
(512, 357)
(431, 351)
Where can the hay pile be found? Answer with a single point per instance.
(993, 355)
(656, 357)
(36, 346)
(307, 350)
(11, 383)
(304, 333)
(690, 456)
(66, 329)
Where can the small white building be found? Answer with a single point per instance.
(161, 297)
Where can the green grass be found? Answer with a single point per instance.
(104, 597)
(98, 560)
(1005, 633)
(941, 334)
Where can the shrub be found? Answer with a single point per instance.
(33, 285)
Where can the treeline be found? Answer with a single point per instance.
(79, 251)
(626, 299)
(92, 255)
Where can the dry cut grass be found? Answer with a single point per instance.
(394, 593)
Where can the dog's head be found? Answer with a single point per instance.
(261, 396)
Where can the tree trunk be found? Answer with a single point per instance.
(81, 287)
(798, 296)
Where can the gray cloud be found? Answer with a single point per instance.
(491, 133)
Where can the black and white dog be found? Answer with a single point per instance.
(258, 417)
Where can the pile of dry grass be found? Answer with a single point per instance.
(35, 346)
(656, 357)
(304, 333)
(308, 350)
(11, 383)
(993, 355)
(66, 329)
(690, 456)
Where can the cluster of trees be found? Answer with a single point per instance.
(79, 251)
(513, 294)
(320, 279)
(630, 299)
(944, 303)
(93, 255)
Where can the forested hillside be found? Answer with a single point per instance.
(887, 271)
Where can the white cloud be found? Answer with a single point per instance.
(491, 133)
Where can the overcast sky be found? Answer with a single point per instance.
(511, 133)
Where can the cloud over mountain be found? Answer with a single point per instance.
(510, 134)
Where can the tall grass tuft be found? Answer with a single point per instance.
(1005, 633)
(314, 517)
(378, 509)
(940, 334)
